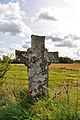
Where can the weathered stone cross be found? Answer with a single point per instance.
(37, 58)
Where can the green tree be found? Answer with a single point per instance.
(77, 61)
(4, 67)
(65, 60)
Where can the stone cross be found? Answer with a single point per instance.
(37, 58)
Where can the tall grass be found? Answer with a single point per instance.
(67, 102)
(62, 103)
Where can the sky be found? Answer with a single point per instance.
(58, 20)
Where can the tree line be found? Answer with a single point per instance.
(61, 60)
(67, 60)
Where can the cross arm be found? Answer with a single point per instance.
(21, 56)
(53, 57)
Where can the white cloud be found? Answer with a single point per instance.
(2, 42)
(11, 11)
(68, 44)
(14, 27)
(45, 14)
(11, 20)
(66, 41)
(71, 36)
(16, 47)
(78, 53)
(49, 45)
(72, 1)
(3, 50)
(26, 44)
(6, 52)
(54, 38)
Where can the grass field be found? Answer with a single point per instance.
(63, 102)
(67, 66)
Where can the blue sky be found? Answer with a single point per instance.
(58, 20)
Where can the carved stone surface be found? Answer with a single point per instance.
(37, 59)
(53, 57)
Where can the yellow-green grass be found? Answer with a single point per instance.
(60, 75)
(75, 66)
(16, 79)
(64, 105)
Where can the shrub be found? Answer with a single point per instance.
(4, 67)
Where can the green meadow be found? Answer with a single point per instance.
(62, 103)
